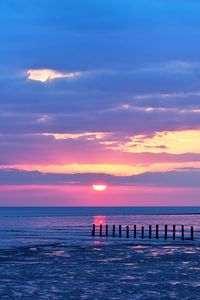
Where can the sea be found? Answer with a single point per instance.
(50, 253)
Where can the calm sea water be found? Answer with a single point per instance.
(49, 253)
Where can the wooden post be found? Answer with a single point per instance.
(120, 230)
(174, 232)
(101, 230)
(165, 232)
(113, 232)
(127, 231)
(142, 232)
(135, 231)
(182, 232)
(192, 233)
(93, 230)
(157, 229)
(150, 231)
(106, 230)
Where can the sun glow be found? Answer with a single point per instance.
(99, 187)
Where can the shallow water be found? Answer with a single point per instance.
(100, 272)
(55, 257)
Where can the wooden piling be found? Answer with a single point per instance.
(120, 230)
(106, 230)
(142, 232)
(127, 231)
(174, 232)
(113, 231)
(135, 231)
(101, 230)
(182, 233)
(149, 234)
(192, 233)
(166, 232)
(157, 230)
(150, 231)
(93, 230)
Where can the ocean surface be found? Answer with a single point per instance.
(50, 253)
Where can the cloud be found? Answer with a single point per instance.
(175, 142)
(44, 75)
(168, 179)
(43, 119)
(167, 95)
(87, 152)
(129, 121)
(82, 135)
(103, 89)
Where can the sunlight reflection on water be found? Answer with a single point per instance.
(99, 220)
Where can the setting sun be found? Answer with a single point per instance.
(99, 187)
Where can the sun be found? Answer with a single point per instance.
(99, 187)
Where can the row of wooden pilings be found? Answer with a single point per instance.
(141, 233)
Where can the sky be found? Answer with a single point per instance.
(99, 91)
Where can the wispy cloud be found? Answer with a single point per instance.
(82, 135)
(45, 75)
(44, 118)
(167, 95)
(174, 142)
